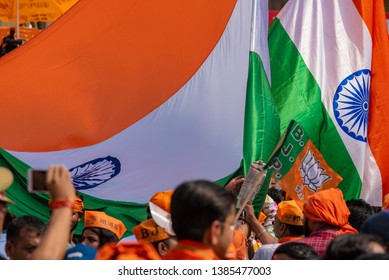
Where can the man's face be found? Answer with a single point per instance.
(226, 235)
(27, 242)
(277, 228)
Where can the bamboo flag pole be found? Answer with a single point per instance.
(17, 19)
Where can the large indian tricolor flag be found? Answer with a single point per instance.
(330, 72)
(134, 97)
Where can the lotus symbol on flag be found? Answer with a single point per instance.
(312, 173)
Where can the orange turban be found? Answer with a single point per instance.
(101, 220)
(149, 231)
(290, 213)
(127, 251)
(78, 205)
(328, 206)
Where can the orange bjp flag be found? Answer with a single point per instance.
(299, 166)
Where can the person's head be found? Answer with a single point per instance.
(295, 251)
(100, 229)
(203, 211)
(23, 237)
(326, 210)
(288, 220)
(276, 194)
(350, 246)
(360, 210)
(149, 232)
(378, 224)
(78, 211)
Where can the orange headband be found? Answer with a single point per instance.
(78, 204)
(101, 220)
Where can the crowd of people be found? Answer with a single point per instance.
(198, 221)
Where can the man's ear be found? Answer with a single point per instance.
(215, 231)
(162, 248)
(9, 249)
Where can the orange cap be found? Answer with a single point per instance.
(149, 231)
(101, 220)
(162, 199)
(127, 251)
(290, 213)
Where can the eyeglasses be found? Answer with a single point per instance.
(232, 227)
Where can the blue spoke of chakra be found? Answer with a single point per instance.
(357, 115)
(351, 104)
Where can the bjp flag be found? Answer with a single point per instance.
(299, 167)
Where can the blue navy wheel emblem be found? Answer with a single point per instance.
(351, 104)
(95, 172)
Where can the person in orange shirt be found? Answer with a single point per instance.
(203, 219)
(288, 226)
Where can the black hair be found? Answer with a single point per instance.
(350, 246)
(195, 205)
(295, 230)
(30, 223)
(105, 235)
(297, 251)
(276, 195)
(360, 210)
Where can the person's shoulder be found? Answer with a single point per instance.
(265, 252)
